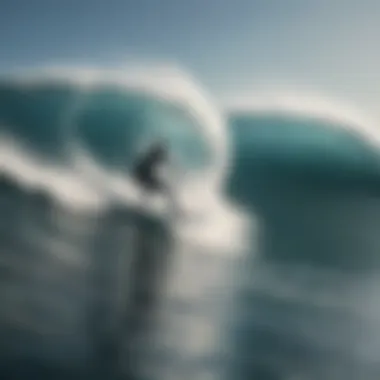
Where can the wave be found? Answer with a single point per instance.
(73, 133)
(114, 107)
(305, 131)
(331, 113)
(304, 171)
(308, 180)
(90, 123)
(64, 115)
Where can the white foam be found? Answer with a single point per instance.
(33, 173)
(210, 222)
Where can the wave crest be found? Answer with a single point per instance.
(308, 105)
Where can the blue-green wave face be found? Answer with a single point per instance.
(109, 122)
(314, 186)
(302, 143)
(112, 124)
(36, 115)
(310, 276)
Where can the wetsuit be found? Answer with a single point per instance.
(145, 171)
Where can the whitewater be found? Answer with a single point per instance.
(274, 278)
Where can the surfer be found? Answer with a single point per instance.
(146, 171)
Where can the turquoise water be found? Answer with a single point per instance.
(299, 300)
(106, 121)
(307, 307)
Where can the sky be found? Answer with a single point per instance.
(329, 47)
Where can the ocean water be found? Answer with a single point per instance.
(271, 274)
